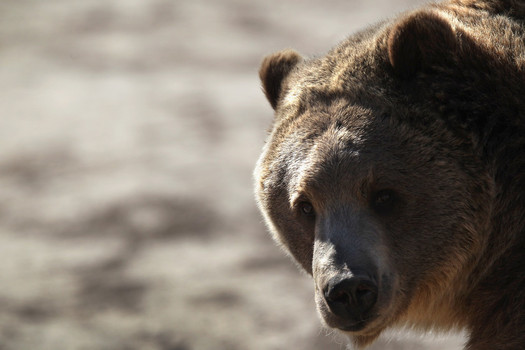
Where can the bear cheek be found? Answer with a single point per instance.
(287, 231)
(425, 245)
(299, 244)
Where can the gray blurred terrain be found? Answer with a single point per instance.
(128, 133)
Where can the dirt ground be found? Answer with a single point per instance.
(128, 134)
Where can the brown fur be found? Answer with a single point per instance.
(273, 71)
(431, 108)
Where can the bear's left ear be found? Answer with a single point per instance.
(274, 69)
(419, 40)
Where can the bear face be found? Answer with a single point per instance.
(377, 177)
(351, 193)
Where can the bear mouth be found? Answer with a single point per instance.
(351, 326)
(354, 327)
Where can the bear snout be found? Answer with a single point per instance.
(351, 299)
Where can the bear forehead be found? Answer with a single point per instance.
(342, 155)
(319, 82)
(332, 161)
(339, 145)
(324, 89)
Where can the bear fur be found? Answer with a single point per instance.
(394, 173)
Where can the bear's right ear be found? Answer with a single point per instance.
(274, 70)
(420, 40)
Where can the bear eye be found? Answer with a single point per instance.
(384, 202)
(306, 209)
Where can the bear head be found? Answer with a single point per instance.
(369, 183)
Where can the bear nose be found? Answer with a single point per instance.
(351, 298)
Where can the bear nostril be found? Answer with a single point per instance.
(339, 296)
(366, 296)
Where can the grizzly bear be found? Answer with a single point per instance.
(395, 173)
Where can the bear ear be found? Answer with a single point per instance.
(274, 70)
(420, 40)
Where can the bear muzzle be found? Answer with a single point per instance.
(346, 302)
(350, 299)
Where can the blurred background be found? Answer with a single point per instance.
(128, 134)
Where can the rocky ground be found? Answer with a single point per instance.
(128, 133)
